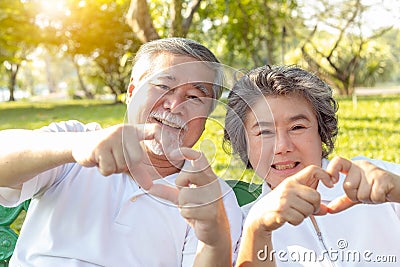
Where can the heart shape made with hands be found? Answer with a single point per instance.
(195, 176)
(364, 183)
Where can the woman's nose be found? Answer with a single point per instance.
(283, 143)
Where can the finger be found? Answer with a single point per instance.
(351, 186)
(204, 212)
(199, 196)
(313, 198)
(340, 204)
(141, 177)
(292, 216)
(106, 163)
(323, 210)
(185, 153)
(304, 207)
(132, 137)
(146, 131)
(354, 176)
(378, 192)
(133, 152)
(364, 190)
(165, 192)
(310, 196)
(196, 170)
(312, 174)
(338, 165)
(132, 149)
(120, 160)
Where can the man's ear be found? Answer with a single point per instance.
(129, 92)
(130, 89)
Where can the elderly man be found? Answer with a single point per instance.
(110, 197)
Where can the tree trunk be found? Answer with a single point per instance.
(270, 35)
(193, 6)
(13, 80)
(139, 19)
(176, 19)
(50, 77)
(88, 94)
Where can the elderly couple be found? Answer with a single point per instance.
(137, 194)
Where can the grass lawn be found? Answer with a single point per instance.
(372, 130)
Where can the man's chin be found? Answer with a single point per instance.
(154, 147)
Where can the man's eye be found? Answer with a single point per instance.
(195, 98)
(163, 87)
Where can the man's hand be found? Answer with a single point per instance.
(364, 183)
(116, 149)
(198, 196)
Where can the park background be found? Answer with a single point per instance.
(71, 59)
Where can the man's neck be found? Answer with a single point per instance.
(159, 166)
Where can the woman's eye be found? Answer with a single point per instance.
(298, 127)
(266, 132)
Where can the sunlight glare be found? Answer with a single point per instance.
(82, 3)
(52, 8)
(51, 13)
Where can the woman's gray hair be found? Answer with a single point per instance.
(185, 47)
(278, 81)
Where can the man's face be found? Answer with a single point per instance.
(174, 92)
(284, 142)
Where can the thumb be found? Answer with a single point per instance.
(323, 210)
(165, 192)
(340, 204)
(185, 153)
(141, 177)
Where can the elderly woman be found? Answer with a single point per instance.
(282, 123)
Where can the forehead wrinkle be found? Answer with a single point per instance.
(164, 76)
(258, 123)
(299, 117)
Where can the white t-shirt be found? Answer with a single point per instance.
(78, 217)
(363, 235)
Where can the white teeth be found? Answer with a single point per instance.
(168, 119)
(168, 123)
(285, 166)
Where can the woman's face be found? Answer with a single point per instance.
(283, 137)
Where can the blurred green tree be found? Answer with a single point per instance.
(20, 36)
(348, 55)
(242, 32)
(97, 31)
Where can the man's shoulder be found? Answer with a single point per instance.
(71, 126)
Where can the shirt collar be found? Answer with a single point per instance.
(168, 180)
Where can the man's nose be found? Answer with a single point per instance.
(283, 143)
(173, 100)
